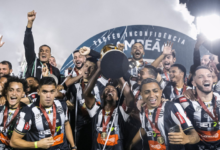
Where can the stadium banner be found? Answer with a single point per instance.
(152, 37)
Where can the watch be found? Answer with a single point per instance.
(74, 147)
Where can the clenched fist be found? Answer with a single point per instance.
(31, 16)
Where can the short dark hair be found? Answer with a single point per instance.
(6, 63)
(76, 51)
(46, 81)
(198, 68)
(181, 68)
(149, 80)
(136, 43)
(152, 70)
(35, 78)
(46, 46)
(92, 59)
(14, 79)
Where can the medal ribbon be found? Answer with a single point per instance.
(51, 71)
(6, 116)
(215, 117)
(105, 123)
(52, 127)
(154, 127)
(177, 92)
(165, 73)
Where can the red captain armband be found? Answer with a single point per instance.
(182, 99)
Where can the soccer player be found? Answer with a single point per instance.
(168, 58)
(14, 90)
(44, 124)
(164, 123)
(34, 64)
(5, 68)
(204, 111)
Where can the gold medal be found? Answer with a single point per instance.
(160, 139)
(104, 135)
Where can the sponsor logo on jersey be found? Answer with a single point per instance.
(183, 99)
(156, 146)
(216, 135)
(207, 124)
(180, 118)
(33, 96)
(26, 126)
(198, 108)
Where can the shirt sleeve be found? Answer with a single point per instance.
(179, 117)
(24, 122)
(123, 113)
(93, 110)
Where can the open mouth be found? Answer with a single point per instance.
(137, 53)
(43, 56)
(206, 84)
(13, 98)
(153, 101)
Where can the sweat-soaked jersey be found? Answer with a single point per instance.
(171, 115)
(115, 141)
(208, 130)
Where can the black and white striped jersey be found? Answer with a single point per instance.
(208, 129)
(8, 131)
(32, 97)
(134, 71)
(171, 115)
(82, 114)
(33, 124)
(115, 141)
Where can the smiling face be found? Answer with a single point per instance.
(110, 93)
(47, 94)
(78, 60)
(44, 54)
(176, 74)
(168, 61)
(88, 69)
(14, 93)
(137, 51)
(203, 81)
(205, 60)
(52, 61)
(151, 94)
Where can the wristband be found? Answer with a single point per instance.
(35, 144)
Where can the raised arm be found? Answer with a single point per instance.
(129, 97)
(72, 80)
(89, 98)
(1, 43)
(167, 50)
(28, 39)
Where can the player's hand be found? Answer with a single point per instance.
(45, 70)
(60, 88)
(69, 105)
(84, 50)
(1, 43)
(45, 143)
(140, 103)
(2, 101)
(31, 16)
(121, 46)
(167, 49)
(178, 137)
(99, 64)
(164, 100)
(190, 94)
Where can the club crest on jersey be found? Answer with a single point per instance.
(59, 109)
(206, 115)
(37, 116)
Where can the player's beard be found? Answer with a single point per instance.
(80, 66)
(202, 90)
